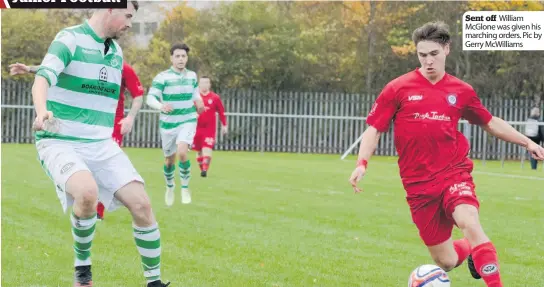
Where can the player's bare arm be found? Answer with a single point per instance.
(153, 103)
(378, 120)
(128, 121)
(21, 69)
(497, 127)
(39, 98)
(222, 117)
(39, 92)
(199, 104)
(369, 142)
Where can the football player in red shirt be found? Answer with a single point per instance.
(123, 125)
(204, 140)
(426, 105)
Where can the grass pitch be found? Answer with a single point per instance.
(265, 220)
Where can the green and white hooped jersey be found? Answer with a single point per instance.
(180, 90)
(84, 85)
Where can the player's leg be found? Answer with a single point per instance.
(450, 253)
(483, 261)
(168, 141)
(184, 171)
(120, 184)
(145, 230)
(207, 148)
(197, 146)
(184, 141)
(76, 187)
(199, 158)
(435, 230)
(461, 202)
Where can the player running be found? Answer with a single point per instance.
(123, 125)
(426, 105)
(204, 140)
(175, 93)
(75, 94)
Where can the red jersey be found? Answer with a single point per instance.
(425, 119)
(130, 81)
(213, 105)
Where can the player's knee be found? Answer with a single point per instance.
(142, 209)
(83, 189)
(207, 151)
(87, 196)
(467, 219)
(446, 262)
(183, 155)
(140, 205)
(169, 161)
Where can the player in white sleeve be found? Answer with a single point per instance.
(75, 94)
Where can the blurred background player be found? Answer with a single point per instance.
(175, 93)
(204, 141)
(123, 125)
(426, 105)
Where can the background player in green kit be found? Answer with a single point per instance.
(75, 94)
(176, 94)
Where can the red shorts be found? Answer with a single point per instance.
(117, 136)
(432, 207)
(204, 138)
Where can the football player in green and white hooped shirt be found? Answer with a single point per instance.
(75, 95)
(176, 94)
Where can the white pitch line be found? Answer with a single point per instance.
(509, 175)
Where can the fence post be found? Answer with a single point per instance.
(522, 154)
(261, 137)
(484, 152)
(503, 152)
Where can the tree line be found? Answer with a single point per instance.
(348, 47)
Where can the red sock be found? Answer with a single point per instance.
(487, 264)
(462, 247)
(199, 160)
(100, 210)
(206, 163)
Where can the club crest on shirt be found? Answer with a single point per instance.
(452, 99)
(114, 62)
(210, 101)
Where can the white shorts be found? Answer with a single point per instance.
(109, 165)
(171, 138)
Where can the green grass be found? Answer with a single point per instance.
(265, 220)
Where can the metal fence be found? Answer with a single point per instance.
(279, 122)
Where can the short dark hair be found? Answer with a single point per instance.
(179, 46)
(135, 4)
(433, 31)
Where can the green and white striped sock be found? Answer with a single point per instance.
(185, 173)
(148, 242)
(169, 174)
(83, 233)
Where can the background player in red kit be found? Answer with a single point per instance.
(123, 125)
(426, 105)
(204, 140)
(131, 82)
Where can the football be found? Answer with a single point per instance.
(428, 276)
